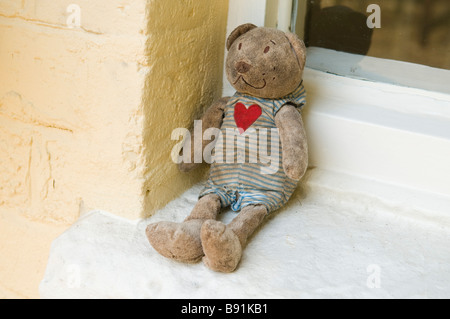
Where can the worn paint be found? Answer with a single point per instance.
(86, 113)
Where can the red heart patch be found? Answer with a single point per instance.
(244, 117)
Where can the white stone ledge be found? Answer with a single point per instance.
(326, 243)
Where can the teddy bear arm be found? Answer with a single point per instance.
(212, 118)
(293, 141)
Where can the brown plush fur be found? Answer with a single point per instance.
(264, 63)
(181, 241)
(211, 119)
(223, 244)
(294, 146)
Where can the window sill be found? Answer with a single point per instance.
(392, 134)
(323, 244)
(379, 70)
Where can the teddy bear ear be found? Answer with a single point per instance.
(299, 48)
(240, 30)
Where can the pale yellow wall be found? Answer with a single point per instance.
(86, 114)
(185, 58)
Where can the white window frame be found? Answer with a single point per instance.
(396, 132)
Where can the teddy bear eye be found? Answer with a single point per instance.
(240, 46)
(267, 49)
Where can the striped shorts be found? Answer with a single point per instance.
(238, 199)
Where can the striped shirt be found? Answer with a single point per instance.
(248, 155)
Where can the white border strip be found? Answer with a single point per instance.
(379, 70)
(379, 131)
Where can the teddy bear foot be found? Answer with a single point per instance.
(178, 241)
(221, 247)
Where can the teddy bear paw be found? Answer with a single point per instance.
(178, 241)
(221, 247)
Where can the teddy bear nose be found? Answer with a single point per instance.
(243, 67)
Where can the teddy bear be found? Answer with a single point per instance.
(265, 66)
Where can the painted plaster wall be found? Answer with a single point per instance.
(86, 114)
(185, 50)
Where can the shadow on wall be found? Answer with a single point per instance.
(185, 63)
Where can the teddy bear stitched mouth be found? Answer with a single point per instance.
(257, 88)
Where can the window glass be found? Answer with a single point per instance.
(416, 31)
(400, 42)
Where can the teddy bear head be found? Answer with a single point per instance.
(264, 62)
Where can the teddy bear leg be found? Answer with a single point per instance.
(181, 241)
(223, 244)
